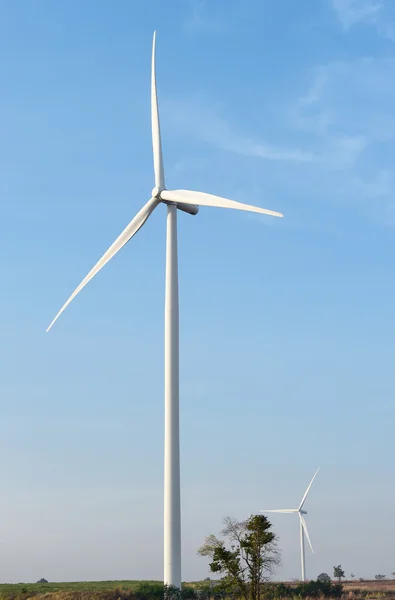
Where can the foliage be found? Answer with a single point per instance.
(310, 589)
(246, 556)
(315, 589)
(42, 580)
(323, 577)
(158, 591)
(150, 590)
(77, 590)
(80, 586)
(338, 572)
(379, 577)
(188, 593)
(95, 590)
(352, 575)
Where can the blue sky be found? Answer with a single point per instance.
(287, 328)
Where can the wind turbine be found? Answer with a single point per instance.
(302, 522)
(187, 201)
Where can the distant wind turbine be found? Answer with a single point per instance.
(303, 524)
(187, 201)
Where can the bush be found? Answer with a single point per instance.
(158, 591)
(323, 577)
(310, 589)
(283, 591)
(150, 591)
(188, 593)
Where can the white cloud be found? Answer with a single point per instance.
(202, 122)
(367, 12)
(343, 133)
(343, 151)
(199, 21)
(351, 12)
(354, 98)
(346, 117)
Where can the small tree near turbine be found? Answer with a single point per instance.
(338, 573)
(246, 555)
(323, 578)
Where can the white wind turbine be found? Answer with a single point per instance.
(187, 201)
(303, 524)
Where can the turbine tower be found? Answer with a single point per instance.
(187, 201)
(302, 523)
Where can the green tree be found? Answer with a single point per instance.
(245, 556)
(324, 577)
(338, 572)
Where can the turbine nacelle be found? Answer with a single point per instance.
(191, 209)
(303, 525)
(187, 201)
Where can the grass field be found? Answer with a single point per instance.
(123, 590)
(73, 585)
(385, 586)
(59, 589)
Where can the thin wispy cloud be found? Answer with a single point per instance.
(346, 115)
(202, 122)
(351, 12)
(314, 92)
(371, 13)
(339, 125)
(354, 98)
(200, 21)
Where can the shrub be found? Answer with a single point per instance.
(150, 591)
(159, 591)
(188, 593)
(310, 589)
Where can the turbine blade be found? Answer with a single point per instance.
(307, 491)
(202, 199)
(280, 510)
(156, 140)
(133, 227)
(304, 525)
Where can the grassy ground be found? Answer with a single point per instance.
(106, 590)
(379, 586)
(80, 586)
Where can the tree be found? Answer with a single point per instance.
(338, 572)
(324, 578)
(393, 574)
(42, 580)
(379, 577)
(352, 576)
(246, 555)
(155, 590)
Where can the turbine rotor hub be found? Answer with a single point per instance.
(156, 192)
